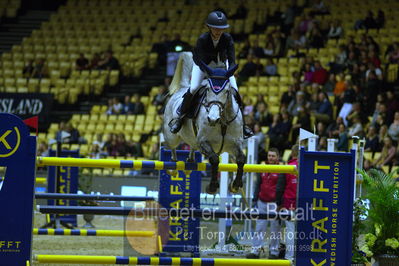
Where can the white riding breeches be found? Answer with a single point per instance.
(197, 76)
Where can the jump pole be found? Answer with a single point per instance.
(76, 259)
(90, 197)
(90, 232)
(160, 165)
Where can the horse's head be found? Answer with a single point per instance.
(219, 91)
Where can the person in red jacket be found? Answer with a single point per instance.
(320, 74)
(265, 197)
(286, 200)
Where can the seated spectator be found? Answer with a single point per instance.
(178, 45)
(308, 74)
(99, 141)
(335, 31)
(270, 68)
(329, 86)
(387, 156)
(393, 55)
(27, 72)
(249, 107)
(250, 68)
(74, 137)
(287, 97)
(138, 106)
(269, 50)
(356, 128)
(324, 110)
(95, 60)
(393, 130)
(127, 106)
(339, 63)
(321, 129)
(159, 100)
(43, 149)
(380, 20)
(40, 70)
(347, 98)
(96, 153)
(241, 12)
(257, 51)
(109, 62)
(246, 50)
(286, 122)
(316, 39)
(382, 134)
(343, 140)
(319, 8)
(320, 74)
(278, 137)
(303, 121)
(114, 106)
(295, 41)
(262, 114)
(134, 149)
(259, 136)
(374, 59)
(82, 63)
(372, 141)
(297, 103)
(392, 104)
(333, 128)
(162, 48)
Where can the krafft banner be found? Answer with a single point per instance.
(67, 183)
(326, 181)
(26, 105)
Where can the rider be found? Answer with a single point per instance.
(214, 46)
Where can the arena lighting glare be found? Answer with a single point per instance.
(178, 48)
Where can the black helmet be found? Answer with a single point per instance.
(217, 19)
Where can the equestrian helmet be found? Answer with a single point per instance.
(217, 19)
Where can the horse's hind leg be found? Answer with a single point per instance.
(191, 155)
(207, 150)
(240, 160)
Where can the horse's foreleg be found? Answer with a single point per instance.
(240, 161)
(191, 158)
(174, 155)
(207, 150)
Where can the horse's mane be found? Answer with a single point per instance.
(181, 78)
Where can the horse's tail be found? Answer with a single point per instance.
(181, 78)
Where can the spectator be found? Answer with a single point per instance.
(269, 50)
(329, 86)
(127, 106)
(262, 114)
(393, 55)
(249, 108)
(348, 97)
(109, 62)
(319, 8)
(286, 122)
(340, 59)
(74, 137)
(356, 128)
(299, 101)
(95, 60)
(257, 51)
(246, 50)
(99, 141)
(160, 98)
(134, 149)
(374, 59)
(138, 108)
(265, 199)
(82, 63)
(287, 97)
(343, 141)
(178, 45)
(316, 39)
(372, 141)
(96, 153)
(270, 68)
(303, 121)
(114, 106)
(250, 68)
(43, 149)
(324, 111)
(286, 193)
(28, 69)
(320, 75)
(308, 74)
(276, 133)
(387, 156)
(392, 105)
(333, 128)
(162, 48)
(40, 70)
(260, 138)
(321, 129)
(335, 31)
(393, 130)
(241, 12)
(380, 20)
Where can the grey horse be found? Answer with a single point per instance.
(216, 128)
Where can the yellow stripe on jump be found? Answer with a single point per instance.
(232, 262)
(159, 165)
(41, 180)
(201, 167)
(75, 259)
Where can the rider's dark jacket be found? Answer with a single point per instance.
(207, 52)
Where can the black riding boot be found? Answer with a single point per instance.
(176, 124)
(247, 131)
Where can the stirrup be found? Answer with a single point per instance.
(175, 125)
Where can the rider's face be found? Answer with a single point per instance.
(216, 33)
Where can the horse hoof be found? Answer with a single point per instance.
(212, 188)
(233, 189)
(172, 172)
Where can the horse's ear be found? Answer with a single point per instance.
(204, 67)
(231, 71)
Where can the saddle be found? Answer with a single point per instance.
(196, 103)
